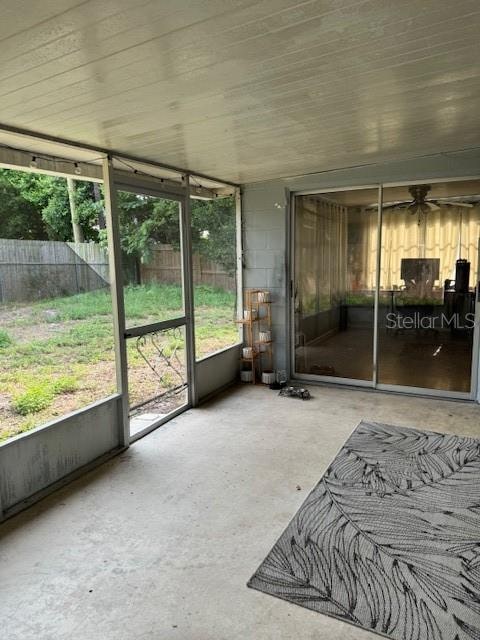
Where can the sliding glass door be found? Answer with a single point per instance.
(385, 296)
(336, 240)
(428, 278)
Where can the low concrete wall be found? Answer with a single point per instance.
(217, 371)
(32, 462)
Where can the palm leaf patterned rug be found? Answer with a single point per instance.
(389, 539)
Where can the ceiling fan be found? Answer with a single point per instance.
(421, 204)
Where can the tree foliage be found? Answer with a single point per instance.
(19, 218)
(36, 206)
(46, 199)
(217, 217)
(146, 221)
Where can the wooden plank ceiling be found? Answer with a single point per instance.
(245, 90)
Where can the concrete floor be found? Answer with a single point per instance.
(159, 542)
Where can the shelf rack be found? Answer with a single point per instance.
(257, 320)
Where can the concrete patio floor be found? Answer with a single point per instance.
(160, 541)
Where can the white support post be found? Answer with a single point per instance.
(239, 261)
(116, 287)
(377, 286)
(186, 228)
(476, 334)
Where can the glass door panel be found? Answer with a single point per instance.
(428, 276)
(151, 243)
(335, 240)
(153, 252)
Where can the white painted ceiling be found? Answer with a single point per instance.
(244, 90)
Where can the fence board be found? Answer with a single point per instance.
(39, 269)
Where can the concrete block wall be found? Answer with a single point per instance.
(264, 231)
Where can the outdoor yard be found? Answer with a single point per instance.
(57, 355)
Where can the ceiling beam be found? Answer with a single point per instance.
(110, 152)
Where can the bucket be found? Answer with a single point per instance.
(268, 377)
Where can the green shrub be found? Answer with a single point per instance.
(64, 384)
(5, 339)
(34, 399)
(39, 395)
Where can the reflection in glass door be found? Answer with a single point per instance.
(404, 320)
(335, 240)
(428, 276)
(153, 265)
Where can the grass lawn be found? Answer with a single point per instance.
(57, 355)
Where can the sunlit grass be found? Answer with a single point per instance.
(62, 349)
(141, 301)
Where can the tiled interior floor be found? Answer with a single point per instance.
(423, 358)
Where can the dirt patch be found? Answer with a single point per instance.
(24, 324)
(99, 384)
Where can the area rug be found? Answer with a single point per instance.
(389, 539)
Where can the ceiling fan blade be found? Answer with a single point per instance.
(433, 204)
(385, 206)
(452, 203)
(397, 205)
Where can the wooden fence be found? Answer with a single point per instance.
(39, 269)
(165, 265)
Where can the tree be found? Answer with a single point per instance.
(49, 197)
(146, 221)
(19, 218)
(76, 227)
(217, 218)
